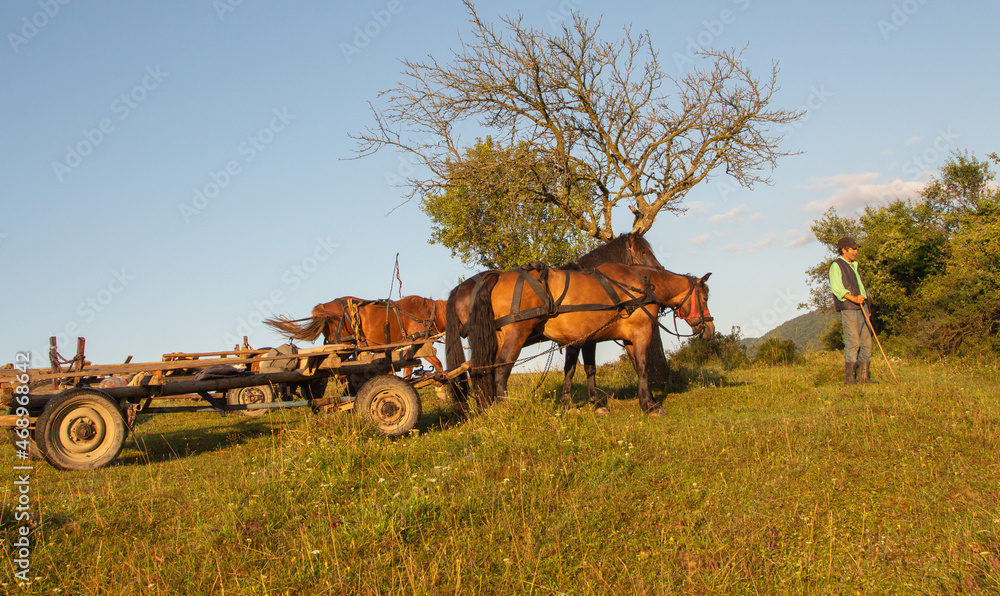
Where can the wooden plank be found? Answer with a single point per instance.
(193, 355)
(366, 355)
(10, 421)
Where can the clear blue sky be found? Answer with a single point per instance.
(173, 171)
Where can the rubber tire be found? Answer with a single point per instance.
(91, 415)
(390, 403)
(256, 394)
(34, 453)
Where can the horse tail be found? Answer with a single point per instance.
(292, 330)
(483, 342)
(453, 350)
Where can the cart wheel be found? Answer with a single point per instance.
(34, 453)
(389, 402)
(80, 429)
(260, 394)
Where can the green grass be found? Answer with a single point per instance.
(758, 481)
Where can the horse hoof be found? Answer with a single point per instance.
(656, 413)
(602, 411)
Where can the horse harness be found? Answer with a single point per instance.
(698, 316)
(350, 309)
(637, 297)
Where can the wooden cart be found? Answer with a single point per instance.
(77, 415)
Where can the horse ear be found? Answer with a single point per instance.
(704, 279)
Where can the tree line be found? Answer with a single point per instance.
(931, 263)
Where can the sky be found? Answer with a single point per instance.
(174, 172)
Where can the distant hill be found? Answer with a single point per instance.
(805, 330)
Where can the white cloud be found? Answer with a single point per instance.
(800, 239)
(847, 192)
(913, 140)
(737, 216)
(790, 239)
(767, 242)
(701, 240)
(730, 215)
(839, 180)
(751, 247)
(696, 207)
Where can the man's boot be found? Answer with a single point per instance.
(849, 376)
(863, 372)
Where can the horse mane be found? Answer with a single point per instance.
(614, 251)
(694, 279)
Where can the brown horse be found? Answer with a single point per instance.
(627, 249)
(613, 302)
(369, 322)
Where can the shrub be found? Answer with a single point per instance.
(775, 352)
(833, 338)
(728, 350)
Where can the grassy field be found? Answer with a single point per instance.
(758, 481)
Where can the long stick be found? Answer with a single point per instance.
(870, 326)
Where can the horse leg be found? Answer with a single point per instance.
(572, 355)
(514, 336)
(639, 358)
(590, 367)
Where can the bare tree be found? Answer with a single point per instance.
(598, 113)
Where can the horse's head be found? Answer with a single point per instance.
(640, 252)
(694, 308)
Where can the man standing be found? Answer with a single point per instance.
(849, 299)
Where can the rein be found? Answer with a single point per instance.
(702, 313)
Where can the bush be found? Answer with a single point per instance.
(727, 350)
(833, 338)
(777, 352)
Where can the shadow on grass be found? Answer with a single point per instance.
(155, 447)
(440, 414)
(701, 377)
(12, 519)
(615, 382)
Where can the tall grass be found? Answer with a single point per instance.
(758, 481)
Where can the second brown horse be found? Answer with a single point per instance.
(369, 322)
